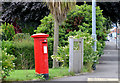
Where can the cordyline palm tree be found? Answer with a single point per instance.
(59, 10)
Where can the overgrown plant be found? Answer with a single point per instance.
(50, 49)
(7, 31)
(62, 56)
(22, 47)
(90, 57)
(7, 63)
(24, 51)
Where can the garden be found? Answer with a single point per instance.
(18, 62)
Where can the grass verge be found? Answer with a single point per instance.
(24, 75)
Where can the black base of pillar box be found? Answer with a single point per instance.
(46, 76)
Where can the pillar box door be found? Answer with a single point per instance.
(41, 53)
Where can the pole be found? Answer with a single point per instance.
(94, 23)
(116, 35)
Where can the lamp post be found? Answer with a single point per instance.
(94, 23)
(116, 35)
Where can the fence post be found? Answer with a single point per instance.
(75, 55)
(71, 54)
(82, 54)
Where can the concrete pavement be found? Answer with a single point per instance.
(107, 69)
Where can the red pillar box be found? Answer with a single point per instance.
(41, 54)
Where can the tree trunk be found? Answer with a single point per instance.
(56, 41)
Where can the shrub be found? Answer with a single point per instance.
(47, 24)
(24, 51)
(50, 51)
(100, 48)
(7, 63)
(62, 56)
(28, 27)
(9, 45)
(22, 47)
(7, 31)
(78, 19)
(90, 57)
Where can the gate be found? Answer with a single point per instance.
(75, 55)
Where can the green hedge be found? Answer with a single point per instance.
(22, 47)
(50, 49)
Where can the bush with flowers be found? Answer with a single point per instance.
(62, 56)
(90, 57)
(7, 63)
